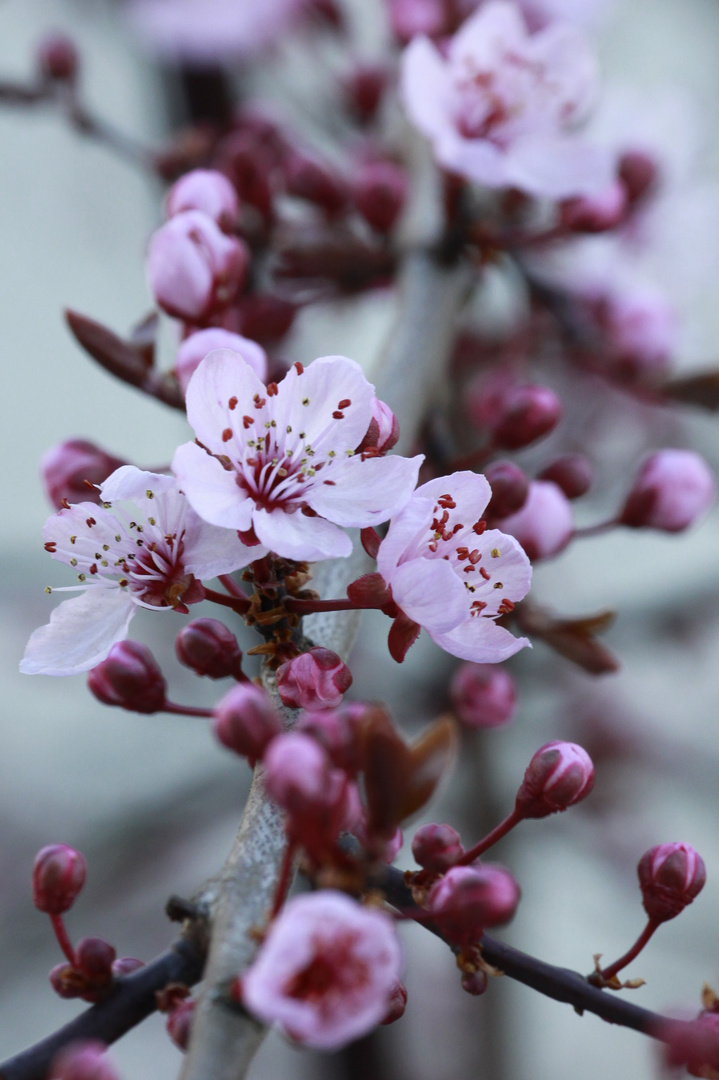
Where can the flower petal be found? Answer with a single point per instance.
(296, 536)
(129, 482)
(480, 640)
(430, 593)
(220, 377)
(80, 633)
(424, 87)
(308, 401)
(211, 490)
(556, 167)
(210, 550)
(366, 492)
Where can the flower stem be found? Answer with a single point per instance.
(186, 710)
(611, 971)
(232, 587)
(491, 838)
(239, 604)
(311, 607)
(62, 938)
(595, 530)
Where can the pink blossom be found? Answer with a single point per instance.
(544, 525)
(148, 554)
(206, 190)
(672, 489)
(193, 268)
(195, 348)
(326, 972)
(245, 721)
(278, 463)
(502, 108)
(83, 1060)
(450, 574)
(300, 777)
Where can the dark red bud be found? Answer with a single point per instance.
(670, 877)
(638, 172)
(364, 89)
(245, 721)
(94, 958)
(573, 473)
(58, 58)
(510, 488)
(379, 190)
(559, 775)
(309, 179)
(57, 878)
(397, 1005)
(265, 318)
(209, 648)
(179, 1023)
(437, 847)
(130, 677)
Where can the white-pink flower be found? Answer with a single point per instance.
(150, 552)
(278, 463)
(450, 574)
(503, 106)
(326, 970)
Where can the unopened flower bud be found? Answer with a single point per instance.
(670, 877)
(527, 414)
(245, 721)
(483, 695)
(436, 847)
(249, 164)
(314, 680)
(265, 317)
(379, 191)
(693, 1044)
(195, 348)
(125, 965)
(475, 983)
(57, 878)
(397, 1005)
(65, 468)
(572, 473)
(66, 981)
(336, 730)
(638, 172)
(206, 190)
(544, 525)
(468, 899)
(193, 268)
(671, 490)
(58, 58)
(382, 433)
(129, 677)
(312, 180)
(299, 775)
(641, 334)
(559, 775)
(510, 488)
(94, 958)
(83, 1060)
(363, 90)
(208, 647)
(595, 213)
(179, 1022)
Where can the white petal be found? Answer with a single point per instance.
(365, 492)
(470, 491)
(480, 640)
(128, 482)
(558, 167)
(413, 519)
(210, 489)
(296, 536)
(210, 550)
(306, 403)
(221, 376)
(424, 87)
(80, 633)
(430, 593)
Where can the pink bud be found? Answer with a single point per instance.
(130, 677)
(641, 332)
(483, 695)
(310, 179)
(397, 1005)
(206, 190)
(193, 268)
(299, 776)
(596, 213)
(468, 899)
(209, 648)
(379, 191)
(314, 680)
(265, 317)
(382, 433)
(510, 488)
(336, 730)
(65, 468)
(670, 877)
(67, 982)
(527, 414)
(249, 164)
(58, 876)
(246, 720)
(572, 473)
(544, 525)
(638, 172)
(559, 775)
(83, 1060)
(94, 958)
(195, 348)
(125, 965)
(436, 847)
(179, 1022)
(364, 89)
(694, 1044)
(671, 490)
(58, 58)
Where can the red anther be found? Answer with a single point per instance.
(130, 677)
(57, 878)
(379, 191)
(58, 58)
(510, 487)
(572, 473)
(65, 468)
(559, 775)
(483, 695)
(209, 648)
(670, 877)
(436, 847)
(314, 680)
(397, 1005)
(245, 721)
(179, 1022)
(468, 899)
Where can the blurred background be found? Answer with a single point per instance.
(153, 801)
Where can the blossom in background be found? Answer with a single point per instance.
(150, 554)
(326, 971)
(278, 463)
(195, 348)
(450, 574)
(503, 106)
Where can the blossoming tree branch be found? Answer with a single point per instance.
(305, 495)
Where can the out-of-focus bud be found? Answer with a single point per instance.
(58, 58)
(515, 414)
(436, 847)
(125, 965)
(641, 332)
(300, 777)
(670, 877)
(397, 1005)
(206, 190)
(83, 1060)
(694, 1045)
(671, 490)
(336, 730)
(379, 192)
(193, 268)
(58, 876)
(475, 983)
(410, 18)
(544, 525)
(245, 721)
(65, 468)
(510, 488)
(638, 172)
(66, 981)
(595, 213)
(208, 647)
(94, 958)
(364, 88)
(559, 775)
(264, 317)
(179, 1022)
(130, 677)
(195, 348)
(382, 433)
(249, 166)
(312, 180)
(573, 473)
(314, 680)
(468, 899)
(483, 695)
